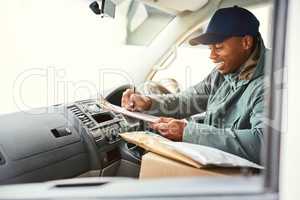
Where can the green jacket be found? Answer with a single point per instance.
(234, 106)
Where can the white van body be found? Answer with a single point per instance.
(58, 52)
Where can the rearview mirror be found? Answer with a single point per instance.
(106, 8)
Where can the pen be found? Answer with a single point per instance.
(132, 103)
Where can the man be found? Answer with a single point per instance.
(232, 94)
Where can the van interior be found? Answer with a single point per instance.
(61, 56)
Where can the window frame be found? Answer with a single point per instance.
(275, 99)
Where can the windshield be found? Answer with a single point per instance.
(61, 49)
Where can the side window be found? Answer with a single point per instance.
(192, 63)
(144, 23)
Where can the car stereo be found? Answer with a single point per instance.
(103, 125)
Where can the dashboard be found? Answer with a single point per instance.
(62, 141)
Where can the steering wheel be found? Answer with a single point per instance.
(115, 95)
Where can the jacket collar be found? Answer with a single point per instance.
(251, 69)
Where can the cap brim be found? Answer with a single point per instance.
(208, 38)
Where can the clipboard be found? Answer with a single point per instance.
(138, 115)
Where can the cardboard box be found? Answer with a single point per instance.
(154, 166)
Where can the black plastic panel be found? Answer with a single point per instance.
(33, 151)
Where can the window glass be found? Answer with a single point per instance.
(144, 23)
(56, 48)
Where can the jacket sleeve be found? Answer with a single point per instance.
(245, 143)
(184, 104)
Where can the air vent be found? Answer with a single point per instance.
(76, 111)
(81, 116)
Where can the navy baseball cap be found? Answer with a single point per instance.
(228, 22)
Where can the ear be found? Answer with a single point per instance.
(247, 42)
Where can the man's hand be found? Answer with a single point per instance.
(135, 101)
(170, 128)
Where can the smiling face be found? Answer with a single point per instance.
(231, 53)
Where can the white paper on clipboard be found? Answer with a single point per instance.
(142, 116)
